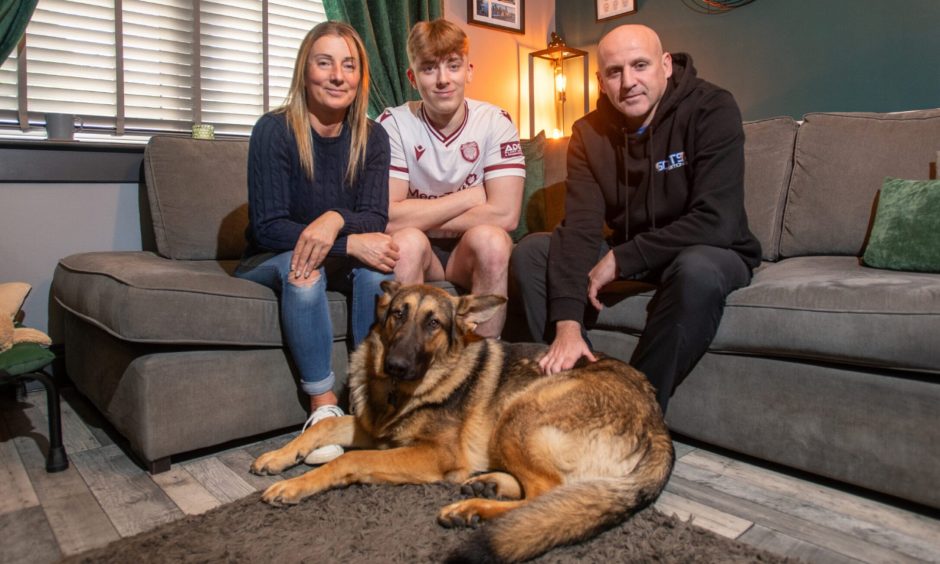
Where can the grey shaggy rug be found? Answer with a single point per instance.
(381, 524)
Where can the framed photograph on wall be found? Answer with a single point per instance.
(507, 15)
(607, 9)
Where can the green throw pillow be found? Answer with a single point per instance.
(534, 152)
(905, 234)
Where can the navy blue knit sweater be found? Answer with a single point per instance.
(282, 200)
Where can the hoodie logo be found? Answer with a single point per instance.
(675, 160)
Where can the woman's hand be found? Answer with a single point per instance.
(314, 243)
(375, 250)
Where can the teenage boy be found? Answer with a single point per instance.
(456, 174)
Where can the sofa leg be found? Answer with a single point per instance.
(56, 459)
(159, 465)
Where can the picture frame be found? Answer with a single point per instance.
(609, 9)
(505, 15)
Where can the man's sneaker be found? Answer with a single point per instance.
(326, 453)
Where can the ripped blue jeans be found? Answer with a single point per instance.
(305, 311)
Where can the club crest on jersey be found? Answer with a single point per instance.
(470, 151)
(510, 149)
(419, 150)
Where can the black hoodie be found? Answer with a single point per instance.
(679, 183)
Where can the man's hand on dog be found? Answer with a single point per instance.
(567, 348)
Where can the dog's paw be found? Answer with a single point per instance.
(273, 462)
(460, 514)
(478, 488)
(283, 493)
(492, 485)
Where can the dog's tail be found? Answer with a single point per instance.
(570, 513)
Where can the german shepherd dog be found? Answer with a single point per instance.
(568, 455)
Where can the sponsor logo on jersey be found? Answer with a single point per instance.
(511, 149)
(415, 193)
(470, 151)
(419, 150)
(420, 194)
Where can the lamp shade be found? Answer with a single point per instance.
(562, 59)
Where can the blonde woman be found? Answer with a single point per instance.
(318, 207)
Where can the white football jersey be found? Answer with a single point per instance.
(485, 146)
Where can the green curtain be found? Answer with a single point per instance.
(14, 15)
(384, 26)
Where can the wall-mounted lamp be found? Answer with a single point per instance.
(560, 56)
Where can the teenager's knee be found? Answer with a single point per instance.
(410, 239)
(413, 247)
(490, 245)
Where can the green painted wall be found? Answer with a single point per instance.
(791, 57)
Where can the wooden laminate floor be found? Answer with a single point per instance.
(104, 495)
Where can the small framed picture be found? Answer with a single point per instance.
(507, 15)
(607, 9)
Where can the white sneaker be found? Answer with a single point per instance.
(326, 453)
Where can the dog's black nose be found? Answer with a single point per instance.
(398, 368)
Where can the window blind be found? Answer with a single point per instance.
(145, 66)
(158, 64)
(70, 62)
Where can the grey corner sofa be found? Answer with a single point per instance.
(169, 346)
(820, 364)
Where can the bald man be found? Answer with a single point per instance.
(661, 161)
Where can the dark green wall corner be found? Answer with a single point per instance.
(791, 57)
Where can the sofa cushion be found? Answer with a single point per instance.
(626, 303)
(534, 151)
(199, 210)
(546, 207)
(768, 156)
(840, 163)
(905, 233)
(833, 309)
(829, 309)
(556, 158)
(141, 297)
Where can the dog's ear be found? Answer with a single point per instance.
(390, 288)
(474, 310)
